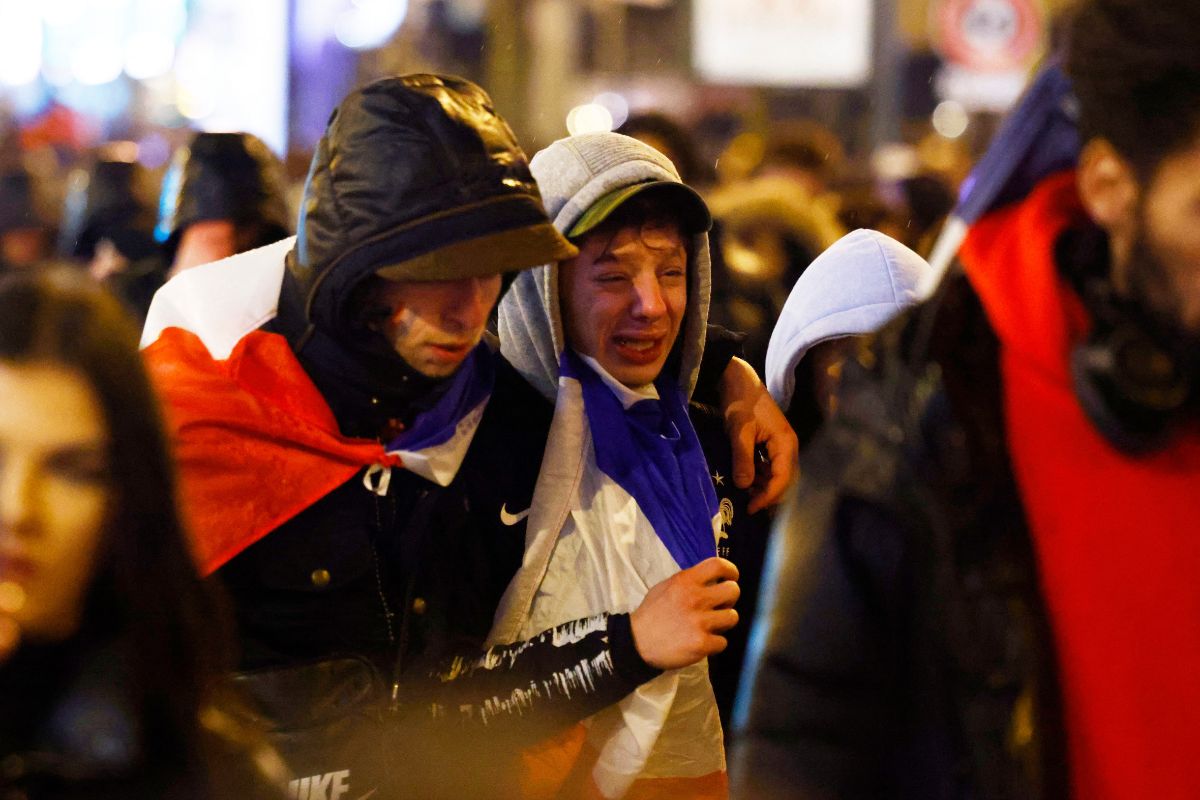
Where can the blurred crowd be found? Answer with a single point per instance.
(441, 471)
(780, 197)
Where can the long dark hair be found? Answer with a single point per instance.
(146, 597)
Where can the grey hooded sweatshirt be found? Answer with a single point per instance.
(589, 544)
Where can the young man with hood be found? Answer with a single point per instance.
(986, 586)
(625, 498)
(850, 290)
(356, 462)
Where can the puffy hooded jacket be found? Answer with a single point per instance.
(416, 178)
(420, 176)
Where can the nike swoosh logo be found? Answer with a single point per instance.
(509, 518)
(368, 794)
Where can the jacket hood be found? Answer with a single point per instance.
(853, 288)
(574, 173)
(419, 178)
(232, 176)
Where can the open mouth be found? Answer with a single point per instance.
(637, 349)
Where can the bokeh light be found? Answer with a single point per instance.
(369, 23)
(617, 107)
(62, 13)
(20, 43)
(589, 118)
(97, 62)
(154, 150)
(950, 119)
(148, 54)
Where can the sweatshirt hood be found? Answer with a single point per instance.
(573, 174)
(853, 288)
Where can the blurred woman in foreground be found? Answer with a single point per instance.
(109, 643)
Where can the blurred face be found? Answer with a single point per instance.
(1153, 227)
(23, 247)
(204, 242)
(213, 239)
(1164, 259)
(624, 297)
(433, 325)
(53, 496)
(106, 261)
(827, 360)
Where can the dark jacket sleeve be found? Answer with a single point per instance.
(529, 690)
(721, 346)
(466, 735)
(816, 709)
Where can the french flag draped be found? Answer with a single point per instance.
(255, 442)
(651, 451)
(623, 502)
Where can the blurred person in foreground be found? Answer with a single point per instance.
(614, 337)
(848, 292)
(358, 461)
(111, 646)
(986, 586)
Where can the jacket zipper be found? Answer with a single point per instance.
(388, 614)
